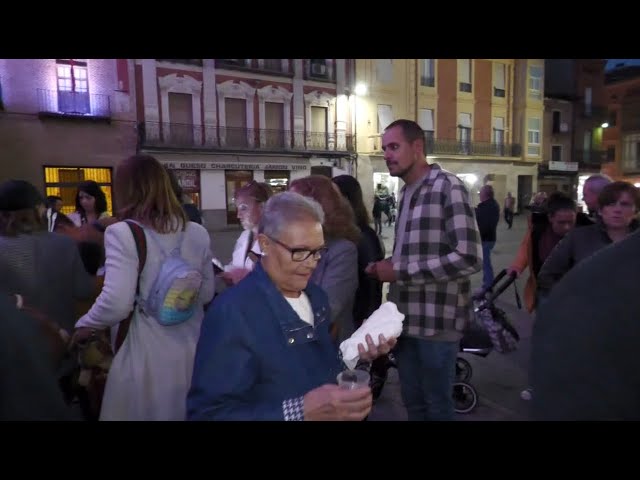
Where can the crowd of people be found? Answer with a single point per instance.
(115, 316)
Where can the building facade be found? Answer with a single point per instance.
(221, 123)
(621, 139)
(580, 81)
(63, 121)
(475, 113)
(556, 171)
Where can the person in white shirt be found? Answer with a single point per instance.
(249, 200)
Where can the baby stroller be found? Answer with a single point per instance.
(490, 330)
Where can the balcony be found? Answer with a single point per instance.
(55, 103)
(270, 66)
(157, 135)
(480, 149)
(319, 71)
(197, 62)
(589, 158)
(591, 111)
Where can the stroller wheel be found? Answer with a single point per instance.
(465, 397)
(463, 370)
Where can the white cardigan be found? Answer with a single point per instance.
(151, 373)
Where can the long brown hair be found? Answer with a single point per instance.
(339, 220)
(143, 191)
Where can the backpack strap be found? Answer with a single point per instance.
(141, 247)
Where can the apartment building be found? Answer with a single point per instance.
(621, 139)
(482, 119)
(556, 171)
(580, 82)
(220, 123)
(63, 121)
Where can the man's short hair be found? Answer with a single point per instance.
(411, 131)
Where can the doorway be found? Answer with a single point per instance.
(233, 180)
(525, 191)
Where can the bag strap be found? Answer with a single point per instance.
(141, 247)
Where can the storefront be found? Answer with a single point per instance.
(212, 183)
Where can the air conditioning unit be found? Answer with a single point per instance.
(564, 128)
(318, 69)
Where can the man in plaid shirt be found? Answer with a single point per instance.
(437, 247)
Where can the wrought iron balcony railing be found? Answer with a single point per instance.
(176, 135)
(485, 149)
(271, 66)
(79, 104)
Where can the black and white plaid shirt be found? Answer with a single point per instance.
(440, 248)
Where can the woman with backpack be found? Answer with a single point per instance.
(158, 270)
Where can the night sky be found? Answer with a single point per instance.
(627, 61)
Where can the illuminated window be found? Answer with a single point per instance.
(73, 86)
(63, 182)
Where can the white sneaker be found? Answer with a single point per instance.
(526, 394)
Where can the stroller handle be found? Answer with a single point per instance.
(501, 284)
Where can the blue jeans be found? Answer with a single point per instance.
(487, 268)
(427, 371)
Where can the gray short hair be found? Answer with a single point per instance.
(286, 208)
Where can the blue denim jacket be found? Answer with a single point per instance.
(256, 358)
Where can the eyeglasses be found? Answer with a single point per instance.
(301, 254)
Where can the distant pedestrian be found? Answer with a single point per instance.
(509, 207)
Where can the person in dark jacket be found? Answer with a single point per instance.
(488, 216)
(28, 386)
(585, 363)
(368, 296)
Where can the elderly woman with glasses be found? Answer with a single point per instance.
(265, 352)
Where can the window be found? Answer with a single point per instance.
(587, 100)
(73, 86)
(318, 67)
(427, 79)
(535, 82)
(586, 156)
(63, 182)
(611, 154)
(556, 153)
(555, 128)
(273, 64)
(426, 122)
(278, 180)
(385, 117)
(189, 180)
(384, 70)
(464, 75)
(533, 137)
(465, 133)
(631, 152)
(499, 76)
(498, 135)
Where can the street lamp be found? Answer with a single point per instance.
(605, 125)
